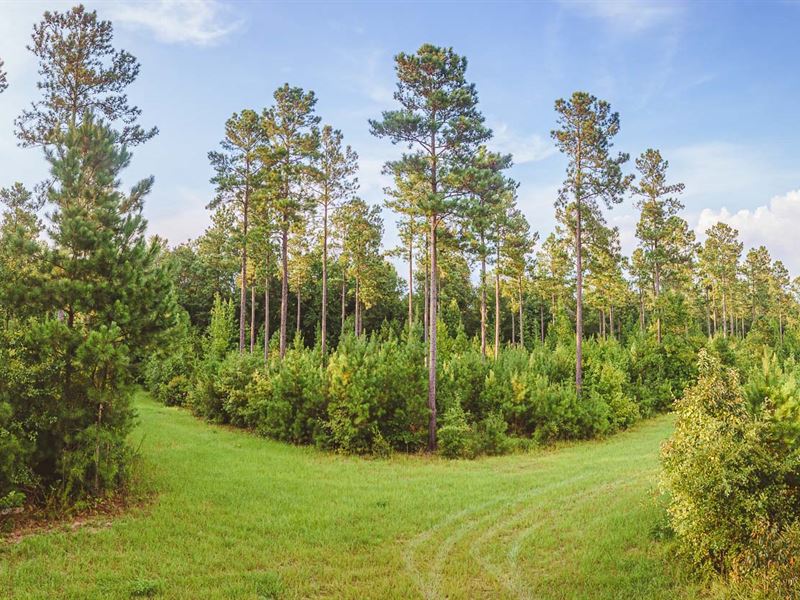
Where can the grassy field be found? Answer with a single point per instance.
(237, 516)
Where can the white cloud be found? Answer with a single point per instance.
(631, 16)
(197, 22)
(774, 226)
(524, 148)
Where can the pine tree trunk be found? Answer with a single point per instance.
(708, 316)
(410, 277)
(344, 302)
(243, 293)
(266, 312)
(284, 286)
(426, 294)
(513, 328)
(324, 324)
(497, 304)
(724, 316)
(434, 292)
(252, 319)
(357, 319)
(521, 312)
(297, 321)
(483, 302)
(579, 301)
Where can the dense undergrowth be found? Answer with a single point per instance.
(370, 393)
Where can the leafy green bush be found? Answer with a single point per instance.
(377, 392)
(455, 435)
(733, 477)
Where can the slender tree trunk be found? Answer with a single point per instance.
(426, 293)
(344, 301)
(357, 319)
(324, 324)
(297, 321)
(243, 292)
(434, 292)
(657, 282)
(252, 319)
(284, 286)
(708, 316)
(579, 301)
(513, 328)
(497, 304)
(483, 303)
(611, 320)
(410, 276)
(521, 312)
(724, 316)
(266, 312)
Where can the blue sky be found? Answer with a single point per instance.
(714, 86)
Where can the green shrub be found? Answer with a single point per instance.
(733, 478)
(455, 436)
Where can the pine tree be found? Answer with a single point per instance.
(238, 177)
(485, 186)
(336, 167)
(439, 119)
(80, 72)
(659, 222)
(360, 229)
(19, 248)
(586, 128)
(3, 78)
(114, 293)
(719, 260)
(290, 126)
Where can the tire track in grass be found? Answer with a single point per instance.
(506, 577)
(429, 583)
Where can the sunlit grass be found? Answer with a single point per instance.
(237, 516)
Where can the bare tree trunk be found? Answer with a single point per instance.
(243, 293)
(513, 328)
(284, 286)
(521, 312)
(324, 324)
(266, 312)
(432, 337)
(708, 316)
(483, 303)
(357, 319)
(252, 319)
(497, 305)
(297, 321)
(426, 295)
(611, 320)
(579, 301)
(410, 278)
(657, 281)
(344, 301)
(724, 316)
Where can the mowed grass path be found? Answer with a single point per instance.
(237, 516)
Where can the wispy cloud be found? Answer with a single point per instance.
(633, 16)
(525, 148)
(773, 225)
(195, 22)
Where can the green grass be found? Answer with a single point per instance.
(237, 516)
